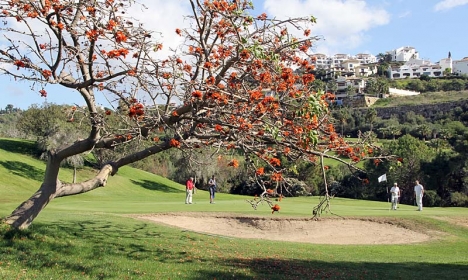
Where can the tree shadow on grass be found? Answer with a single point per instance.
(154, 186)
(20, 147)
(48, 246)
(279, 269)
(103, 249)
(23, 170)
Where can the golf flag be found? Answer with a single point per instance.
(383, 178)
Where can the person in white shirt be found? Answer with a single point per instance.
(418, 195)
(395, 191)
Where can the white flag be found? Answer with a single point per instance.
(383, 178)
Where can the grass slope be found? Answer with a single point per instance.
(87, 237)
(423, 99)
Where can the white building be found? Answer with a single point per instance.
(365, 70)
(415, 68)
(339, 58)
(404, 54)
(460, 67)
(418, 62)
(335, 62)
(446, 63)
(350, 71)
(350, 65)
(365, 58)
(416, 71)
(364, 65)
(322, 61)
(357, 84)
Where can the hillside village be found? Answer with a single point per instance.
(352, 72)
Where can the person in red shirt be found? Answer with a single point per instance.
(189, 191)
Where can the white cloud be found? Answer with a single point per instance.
(14, 90)
(164, 17)
(342, 23)
(449, 4)
(404, 14)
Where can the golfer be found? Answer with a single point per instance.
(395, 191)
(212, 188)
(418, 195)
(189, 186)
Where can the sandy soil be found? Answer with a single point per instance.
(459, 221)
(323, 231)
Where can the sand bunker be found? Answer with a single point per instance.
(323, 231)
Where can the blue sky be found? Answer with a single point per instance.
(433, 27)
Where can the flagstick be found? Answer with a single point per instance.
(382, 179)
(388, 198)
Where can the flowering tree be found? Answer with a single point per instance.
(237, 82)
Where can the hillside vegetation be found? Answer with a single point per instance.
(423, 98)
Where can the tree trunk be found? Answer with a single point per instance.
(24, 215)
(74, 174)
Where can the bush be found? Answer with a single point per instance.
(298, 188)
(431, 199)
(459, 199)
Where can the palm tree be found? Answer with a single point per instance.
(350, 90)
(383, 62)
(385, 131)
(9, 108)
(342, 116)
(332, 86)
(384, 58)
(371, 117)
(394, 131)
(425, 131)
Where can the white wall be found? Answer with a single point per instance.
(446, 63)
(460, 66)
(401, 92)
(404, 54)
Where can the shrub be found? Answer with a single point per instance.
(248, 187)
(298, 188)
(431, 198)
(459, 199)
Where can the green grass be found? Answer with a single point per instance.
(334, 163)
(422, 99)
(89, 237)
